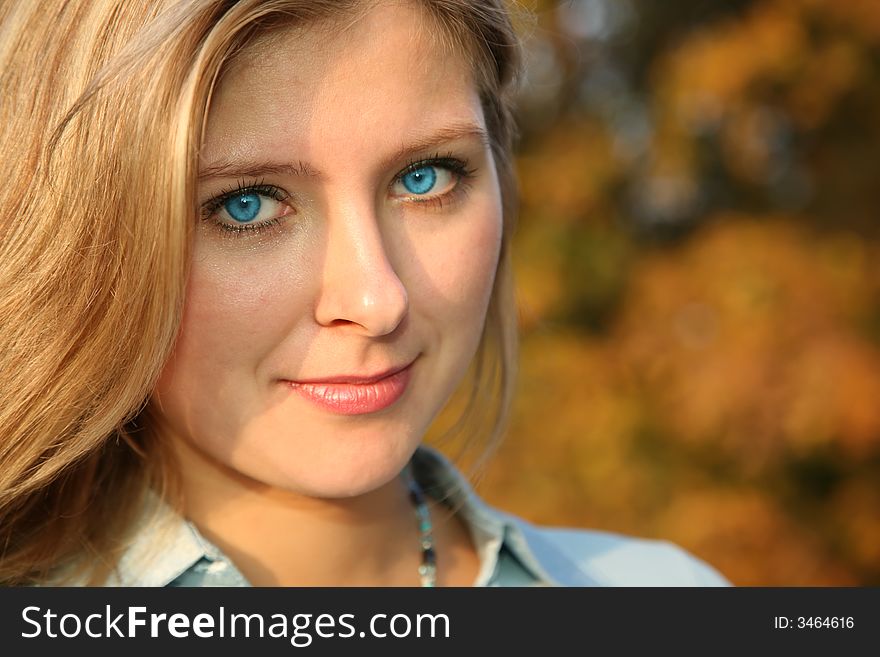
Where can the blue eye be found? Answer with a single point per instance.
(248, 209)
(243, 208)
(430, 180)
(421, 180)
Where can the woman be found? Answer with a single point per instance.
(249, 251)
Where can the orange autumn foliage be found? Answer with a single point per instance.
(701, 318)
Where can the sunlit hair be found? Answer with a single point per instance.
(102, 107)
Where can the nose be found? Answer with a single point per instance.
(359, 285)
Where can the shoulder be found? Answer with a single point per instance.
(609, 559)
(564, 557)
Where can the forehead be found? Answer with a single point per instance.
(383, 73)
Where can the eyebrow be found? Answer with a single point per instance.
(256, 169)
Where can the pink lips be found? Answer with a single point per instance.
(352, 395)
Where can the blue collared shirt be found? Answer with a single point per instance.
(169, 551)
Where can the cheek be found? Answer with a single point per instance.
(458, 271)
(237, 309)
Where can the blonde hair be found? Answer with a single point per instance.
(103, 109)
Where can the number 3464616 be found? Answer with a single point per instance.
(814, 622)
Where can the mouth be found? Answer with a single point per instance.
(355, 394)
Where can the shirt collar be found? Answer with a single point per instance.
(491, 528)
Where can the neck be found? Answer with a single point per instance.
(281, 538)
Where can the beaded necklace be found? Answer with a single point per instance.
(428, 567)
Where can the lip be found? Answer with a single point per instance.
(354, 394)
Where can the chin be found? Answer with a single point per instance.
(343, 480)
(337, 467)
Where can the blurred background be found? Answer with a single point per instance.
(698, 264)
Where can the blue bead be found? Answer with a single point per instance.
(428, 568)
(429, 557)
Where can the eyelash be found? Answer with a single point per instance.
(259, 187)
(458, 167)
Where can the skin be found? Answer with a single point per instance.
(355, 277)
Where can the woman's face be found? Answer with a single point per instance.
(344, 258)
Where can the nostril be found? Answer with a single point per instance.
(374, 304)
(360, 284)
